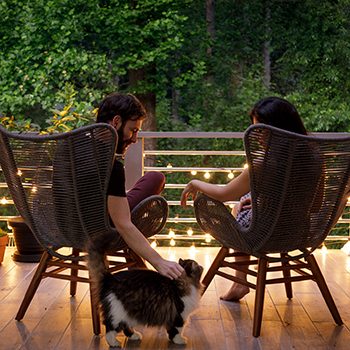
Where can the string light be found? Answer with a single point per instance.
(9, 227)
(190, 232)
(172, 242)
(169, 165)
(19, 172)
(207, 175)
(231, 206)
(324, 249)
(171, 233)
(231, 175)
(208, 239)
(194, 172)
(154, 244)
(245, 166)
(34, 189)
(192, 248)
(4, 201)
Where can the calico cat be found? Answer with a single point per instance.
(144, 297)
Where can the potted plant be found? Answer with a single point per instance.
(4, 239)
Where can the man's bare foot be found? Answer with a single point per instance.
(237, 291)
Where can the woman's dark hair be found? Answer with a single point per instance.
(278, 112)
(127, 106)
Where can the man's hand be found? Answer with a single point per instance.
(169, 269)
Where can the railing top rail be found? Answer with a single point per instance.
(221, 135)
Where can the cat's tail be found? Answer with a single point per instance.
(97, 257)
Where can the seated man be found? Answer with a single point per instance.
(125, 113)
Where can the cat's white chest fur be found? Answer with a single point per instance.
(118, 312)
(191, 302)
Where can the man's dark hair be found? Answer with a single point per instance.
(127, 106)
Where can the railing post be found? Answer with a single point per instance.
(134, 163)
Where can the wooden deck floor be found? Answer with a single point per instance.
(54, 320)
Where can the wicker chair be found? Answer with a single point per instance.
(299, 189)
(58, 184)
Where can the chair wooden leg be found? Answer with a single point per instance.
(259, 296)
(140, 263)
(287, 285)
(74, 273)
(324, 289)
(95, 309)
(33, 286)
(214, 266)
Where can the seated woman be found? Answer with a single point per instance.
(273, 111)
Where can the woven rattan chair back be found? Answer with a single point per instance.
(299, 187)
(59, 186)
(59, 182)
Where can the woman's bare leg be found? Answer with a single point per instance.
(237, 291)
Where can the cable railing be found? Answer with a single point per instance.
(182, 227)
(135, 169)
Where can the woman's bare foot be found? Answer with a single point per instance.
(237, 291)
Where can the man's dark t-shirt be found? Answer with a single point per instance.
(116, 186)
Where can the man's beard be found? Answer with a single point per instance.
(122, 145)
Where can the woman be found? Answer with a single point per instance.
(273, 111)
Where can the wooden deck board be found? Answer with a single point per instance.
(55, 320)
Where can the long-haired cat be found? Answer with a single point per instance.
(143, 297)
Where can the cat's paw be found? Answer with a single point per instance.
(178, 339)
(111, 340)
(136, 336)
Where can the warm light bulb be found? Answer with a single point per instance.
(34, 189)
(19, 172)
(169, 166)
(9, 227)
(193, 248)
(230, 175)
(207, 175)
(245, 166)
(208, 238)
(190, 232)
(154, 244)
(172, 242)
(231, 206)
(3, 201)
(194, 172)
(171, 233)
(324, 249)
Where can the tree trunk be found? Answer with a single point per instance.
(210, 7)
(175, 95)
(210, 17)
(148, 100)
(238, 77)
(266, 51)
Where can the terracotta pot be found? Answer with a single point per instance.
(28, 248)
(3, 242)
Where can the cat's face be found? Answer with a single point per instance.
(192, 268)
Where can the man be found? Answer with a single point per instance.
(125, 113)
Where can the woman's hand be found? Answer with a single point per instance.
(189, 189)
(245, 204)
